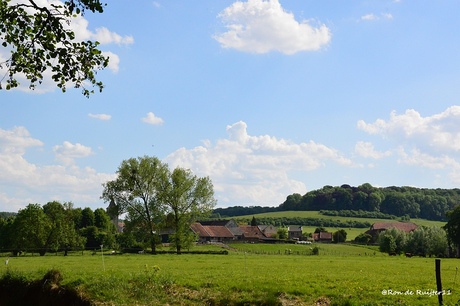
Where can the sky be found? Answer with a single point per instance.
(267, 98)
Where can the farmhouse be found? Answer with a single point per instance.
(212, 233)
(229, 230)
(295, 232)
(322, 237)
(231, 225)
(268, 230)
(252, 233)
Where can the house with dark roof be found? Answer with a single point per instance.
(294, 232)
(212, 233)
(252, 233)
(268, 230)
(322, 237)
(230, 224)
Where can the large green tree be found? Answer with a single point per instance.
(136, 190)
(188, 198)
(453, 228)
(39, 37)
(32, 229)
(47, 228)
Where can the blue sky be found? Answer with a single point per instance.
(267, 98)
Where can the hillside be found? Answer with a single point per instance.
(406, 202)
(318, 215)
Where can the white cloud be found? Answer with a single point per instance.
(387, 16)
(156, 4)
(437, 133)
(23, 182)
(152, 119)
(367, 150)
(104, 36)
(417, 158)
(373, 17)
(259, 26)
(103, 117)
(254, 170)
(430, 143)
(17, 140)
(369, 17)
(67, 152)
(114, 61)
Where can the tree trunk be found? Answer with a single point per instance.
(153, 244)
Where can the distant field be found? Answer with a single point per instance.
(352, 233)
(317, 215)
(339, 275)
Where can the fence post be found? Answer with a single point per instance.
(438, 280)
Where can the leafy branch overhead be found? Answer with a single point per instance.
(40, 38)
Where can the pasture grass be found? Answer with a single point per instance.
(340, 275)
(317, 215)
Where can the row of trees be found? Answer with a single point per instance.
(153, 199)
(430, 204)
(431, 241)
(55, 226)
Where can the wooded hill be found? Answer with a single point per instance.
(408, 202)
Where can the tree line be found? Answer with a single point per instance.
(154, 200)
(412, 202)
(286, 221)
(423, 241)
(56, 227)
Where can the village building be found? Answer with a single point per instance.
(268, 230)
(252, 233)
(212, 233)
(228, 231)
(322, 237)
(295, 232)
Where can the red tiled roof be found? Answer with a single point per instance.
(211, 231)
(404, 226)
(251, 231)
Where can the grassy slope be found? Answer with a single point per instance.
(351, 232)
(340, 273)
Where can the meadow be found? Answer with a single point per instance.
(317, 215)
(251, 274)
(352, 232)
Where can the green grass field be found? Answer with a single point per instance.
(251, 274)
(317, 215)
(352, 232)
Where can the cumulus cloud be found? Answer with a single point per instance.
(255, 170)
(367, 150)
(103, 117)
(152, 119)
(23, 182)
(425, 142)
(438, 133)
(259, 26)
(17, 140)
(68, 151)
